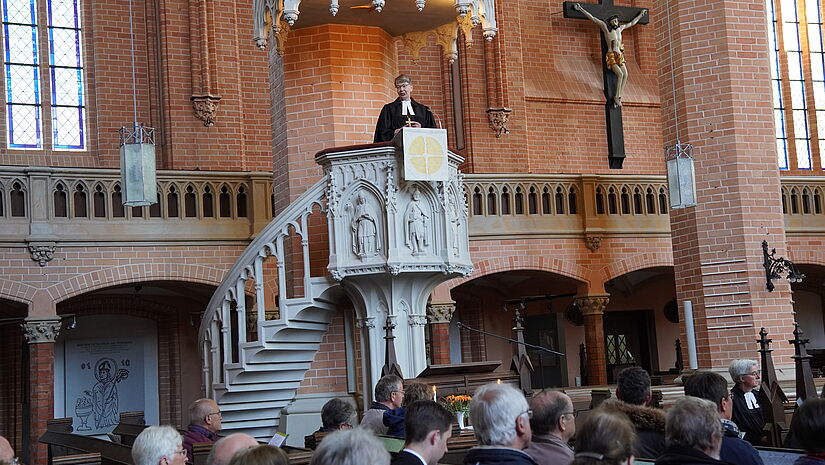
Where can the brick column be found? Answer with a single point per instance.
(593, 310)
(40, 333)
(718, 83)
(438, 317)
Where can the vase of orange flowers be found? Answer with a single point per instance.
(460, 405)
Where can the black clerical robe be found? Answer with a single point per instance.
(750, 421)
(391, 119)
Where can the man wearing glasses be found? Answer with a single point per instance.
(204, 423)
(389, 394)
(159, 445)
(403, 111)
(553, 425)
(747, 414)
(501, 422)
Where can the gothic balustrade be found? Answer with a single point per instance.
(803, 202)
(84, 205)
(507, 205)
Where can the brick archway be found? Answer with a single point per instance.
(636, 263)
(531, 263)
(17, 291)
(108, 277)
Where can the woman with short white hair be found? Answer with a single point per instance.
(747, 414)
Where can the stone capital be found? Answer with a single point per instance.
(40, 330)
(592, 304)
(440, 313)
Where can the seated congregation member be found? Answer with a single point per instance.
(6, 452)
(693, 434)
(204, 424)
(808, 425)
(225, 448)
(263, 454)
(553, 425)
(501, 423)
(634, 394)
(713, 387)
(351, 447)
(389, 394)
(604, 438)
(747, 414)
(394, 419)
(159, 445)
(429, 425)
(337, 414)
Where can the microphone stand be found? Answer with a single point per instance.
(532, 346)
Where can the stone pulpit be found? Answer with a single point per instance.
(392, 241)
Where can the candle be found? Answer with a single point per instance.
(434, 396)
(498, 381)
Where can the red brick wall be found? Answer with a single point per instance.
(328, 371)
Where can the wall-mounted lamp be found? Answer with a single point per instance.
(775, 267)
(72, 324)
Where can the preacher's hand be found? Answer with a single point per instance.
(413, 124)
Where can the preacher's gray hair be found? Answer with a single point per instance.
(154, 443)
(494, 410)
(739, 367)
(351, 447)
(693, 422)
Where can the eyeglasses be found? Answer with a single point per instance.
(13, 461)
(529, 413)
(754, 373)
(401, 86)
(215, 413)
(574, 413)
(182, 452)
(400, 392)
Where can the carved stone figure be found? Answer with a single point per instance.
(364, 229)
(416, 223)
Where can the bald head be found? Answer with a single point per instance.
(552, 414)
(225, 448)
(205, 413)
(6, 452)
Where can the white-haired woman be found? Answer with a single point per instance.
(159, 445)
(747, 414)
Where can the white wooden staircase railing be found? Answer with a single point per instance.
(253, 380)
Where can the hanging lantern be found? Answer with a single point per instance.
(681, 178)
(137, 166)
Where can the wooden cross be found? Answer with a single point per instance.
(613, 114)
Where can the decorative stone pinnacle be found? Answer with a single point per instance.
(42, 254)
(440, 313)
(41, 330)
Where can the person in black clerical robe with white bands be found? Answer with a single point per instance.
(747, 414)
(403, 111)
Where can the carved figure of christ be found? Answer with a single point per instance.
(610, 19)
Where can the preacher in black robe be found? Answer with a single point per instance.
(749, 420)
(391, 119)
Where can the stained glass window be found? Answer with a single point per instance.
(21, 67)
(26, 117)
(66, 68)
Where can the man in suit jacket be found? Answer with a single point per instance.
(429, 426)
(403, 111)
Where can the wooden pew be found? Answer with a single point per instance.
(297, 455)
(130, 426)
(63, 444)
(78, 459)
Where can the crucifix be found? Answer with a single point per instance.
(610, 18)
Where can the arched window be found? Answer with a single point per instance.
(190, 202)
(505, 201)
(17, 200)
(80, 202)
(519, 201)
(99, 202)
(172, 202)
(240, 202)
(117, 203)
(61, 208)
(225, 204)
(532, 201)
(477, 205)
